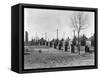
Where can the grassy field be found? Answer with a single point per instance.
(50, 58)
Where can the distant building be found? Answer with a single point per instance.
(26, 42)
(26, 37)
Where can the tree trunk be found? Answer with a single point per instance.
(78, 44)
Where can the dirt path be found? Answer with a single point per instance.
(57, 59)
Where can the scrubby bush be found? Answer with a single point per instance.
(40, 51)
(83, 40)
(74, 41)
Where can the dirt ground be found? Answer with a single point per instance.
(44, 57)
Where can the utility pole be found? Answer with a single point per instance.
(57, 33)
(45, 35)
(36, 36)
(63, 35)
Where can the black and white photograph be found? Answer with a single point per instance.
(58, 38)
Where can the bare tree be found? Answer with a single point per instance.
(79, 21)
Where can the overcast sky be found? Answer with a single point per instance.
(40, 21)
